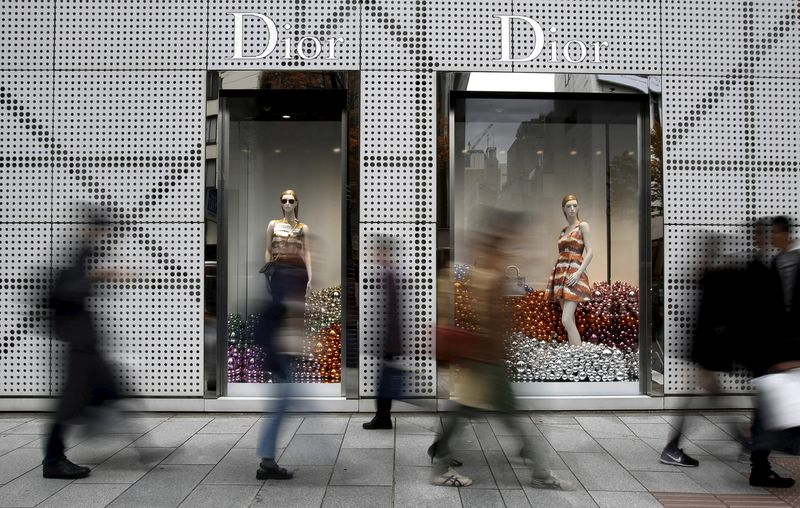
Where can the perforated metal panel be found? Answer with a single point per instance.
(411, 258)
(26, 125)
(322, 19)
(121, 122)
(398, 155)
(690, 250)
(26, 39)
(24, 325)
(132, 141)
(465, 35)
(149, 318)
(631, 28)
(730, 37)
(120, 34)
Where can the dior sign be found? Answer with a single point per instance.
(305, 48)
(572, 51)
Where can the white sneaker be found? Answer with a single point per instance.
(552, 482)
(451, 479)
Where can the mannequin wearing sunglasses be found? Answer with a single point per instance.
(281, 331)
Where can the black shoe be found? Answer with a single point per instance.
(677, 458)
(770, 479)
(432, 455)
(273, 473)
(65, 470)
(378, 423)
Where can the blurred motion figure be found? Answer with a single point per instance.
(89, 379)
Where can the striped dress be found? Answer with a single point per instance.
(570, 259)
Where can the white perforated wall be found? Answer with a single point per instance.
(730, 147)
(104, 101)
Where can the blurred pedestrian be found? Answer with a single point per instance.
(775, 299)
(482, 381)
(89, 379)
(391, 374)
(280, 330)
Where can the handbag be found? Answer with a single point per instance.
(454, 344)
(778, 399)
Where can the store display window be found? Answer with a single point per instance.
(281, 228)
(574, 164)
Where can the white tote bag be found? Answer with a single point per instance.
(779, 399)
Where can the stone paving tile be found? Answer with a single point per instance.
(203, 449)
(640, 418)
(503, 473)
(486, 437)
(289, 427)
(29, 489)
(39, 426)
(357, 497)
(165, 486)
(418, 424)
(480, 498)
(127, 466)
(512, 446)
(599, 471)
(306, 489)
(660, 481)
(238, 467)
(515, 499)
(9, 442)
(607, 426)
(99, 448)
(337, 463)
(634, 454)
(357, 437)
(214, 496)
(520, 426)
(413, 490)
(569, 438)
(324, 425)
(717, 477)
(18, 462)
(626, 499)
(229, 425)
(6, 424)
(172, 433)
(411, 449)
(84, 496)
(312, 450)
(364, 467)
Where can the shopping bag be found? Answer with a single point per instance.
(454, 344)
(779, 399)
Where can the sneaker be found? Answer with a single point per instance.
(65, 470)
(378, 423)
(677, 458)
(552, 482)
(273, 473)
(451, 479)
(771, 479)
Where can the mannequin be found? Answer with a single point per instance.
(280, 329)
(568, 283)
(287, 238)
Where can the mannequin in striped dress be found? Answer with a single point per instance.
(568, 284)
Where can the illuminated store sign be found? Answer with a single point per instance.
(306, 48)
(554, 52)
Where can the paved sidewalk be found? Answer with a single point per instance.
(197, 460)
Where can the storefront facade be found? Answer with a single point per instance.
(672, 123)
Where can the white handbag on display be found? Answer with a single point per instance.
(779, 399)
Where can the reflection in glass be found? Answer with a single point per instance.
(526, 153)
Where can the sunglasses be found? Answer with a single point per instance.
(290, 201)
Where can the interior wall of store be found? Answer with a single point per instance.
(105, 102)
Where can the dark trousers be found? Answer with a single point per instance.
(89, 383)
(388, 390)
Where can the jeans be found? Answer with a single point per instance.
(281, 377)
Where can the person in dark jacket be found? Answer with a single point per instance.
(89, 378)
(391, 375)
